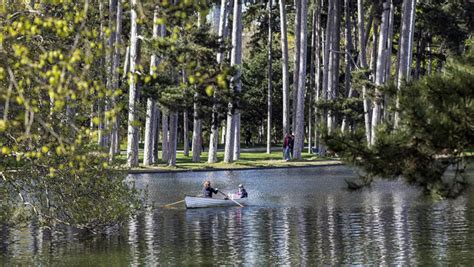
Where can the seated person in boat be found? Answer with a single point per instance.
(207, 191)
(242, 192)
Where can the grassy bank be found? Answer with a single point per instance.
(249, 158)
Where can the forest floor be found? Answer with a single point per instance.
(250, 158)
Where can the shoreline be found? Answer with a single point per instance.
(312, 164)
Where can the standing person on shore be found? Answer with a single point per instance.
(286, 147)
(207, 191)
(248, 137)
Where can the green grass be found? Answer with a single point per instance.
(247, 160)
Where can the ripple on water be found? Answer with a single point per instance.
(293, 217)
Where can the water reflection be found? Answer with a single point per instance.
(133, 240)
(151, 249)
(293, 217)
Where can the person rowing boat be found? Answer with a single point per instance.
(206, 200)
(207, 191)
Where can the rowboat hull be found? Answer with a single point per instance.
(201, 202)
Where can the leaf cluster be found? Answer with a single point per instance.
(427, 148)
(51, 72)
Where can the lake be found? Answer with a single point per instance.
(297, 216)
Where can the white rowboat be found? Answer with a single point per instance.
(204, 202)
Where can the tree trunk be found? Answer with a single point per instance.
(216, 15)
(223, 133)
(104, 61)
(149, 134)
(364, 65)
(214, 138)
(348, 57)
(317, 49)
(375, 40)
(354, 29)
(430, 60)
(380, 69)
(185, 134)
(310, 127)
(165, 139)
(197, 126)
(270, 77)
(232, 146)
(297, 64)
(173, 138)
(197, 122)
(222, 31)
(299, 131)
(150, 121)
(420, 51)
(133, 130)
(284, 65)
(229, 135)
(411, 40)
(327, 45)
(238, 18)
(311, 78)
(236, 135)
(326, 53)
(114, 135)
(156, 144)
(404, 63)
(333, 74)
(110, 53)
(388, 57)
(360, 25)
(368, 26)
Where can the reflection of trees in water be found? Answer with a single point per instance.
(401, 238)
(133, 240)
(281, 230)
(439, 238)
(352, 237)
(233, 230)
(331, 229)
(320, 232)
(252, 236)
(302, 236)
(212, 235)
(458, 230)
(447, 232)
(383, 228)
(151, 249)
(263, 232)
(374, 228)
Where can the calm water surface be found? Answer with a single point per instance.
(293, 217)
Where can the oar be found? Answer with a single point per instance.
(177, 202)
(174, 203)
(231, 199)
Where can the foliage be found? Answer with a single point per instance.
(436, 126)
(254, 91)
(50, 76)
(187, 61)
(447, 22)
